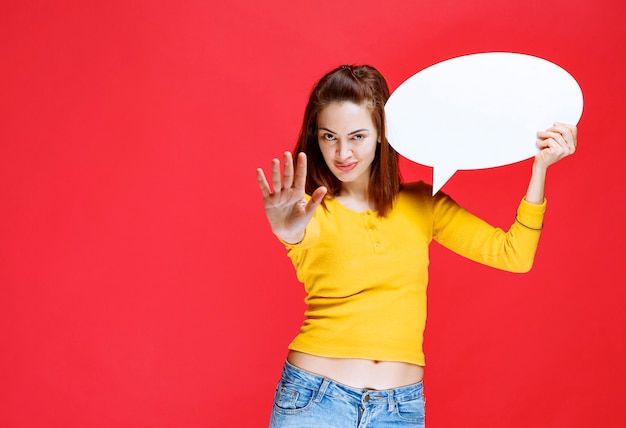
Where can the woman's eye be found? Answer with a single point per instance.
(359, 137)
(328, 137)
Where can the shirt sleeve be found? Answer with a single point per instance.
(473, 238)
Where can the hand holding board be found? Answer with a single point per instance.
(479, 111)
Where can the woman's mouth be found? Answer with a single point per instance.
(345, 167)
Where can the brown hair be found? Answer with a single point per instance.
(361, 85)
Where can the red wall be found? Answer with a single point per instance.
(140, 285)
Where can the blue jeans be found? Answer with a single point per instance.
(306, 400)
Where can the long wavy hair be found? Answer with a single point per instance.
(362, 85)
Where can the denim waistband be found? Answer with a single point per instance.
(365, 397)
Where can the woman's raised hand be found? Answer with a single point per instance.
(555, 143)
(286, 208)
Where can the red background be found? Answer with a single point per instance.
(140, 285)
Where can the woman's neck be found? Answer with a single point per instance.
(355, 198)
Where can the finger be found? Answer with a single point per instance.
(300, 176)
(263, 184)
(569, 132)
(547, 147)
(316, 198)
(558, 137)
(287, 170)
(276, 181)
(552, 150)
(569, 138)
(318, 195)
(571, 128)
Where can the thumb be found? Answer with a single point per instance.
(316, 198)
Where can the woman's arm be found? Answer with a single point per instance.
(514, 250)
(469, 236)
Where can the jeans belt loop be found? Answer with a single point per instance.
(322, 390)
(391, 400)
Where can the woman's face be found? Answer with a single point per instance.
(347, 138)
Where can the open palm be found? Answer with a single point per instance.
(286, 207)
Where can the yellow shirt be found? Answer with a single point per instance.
(366, 276)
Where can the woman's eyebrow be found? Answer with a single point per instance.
(359, 130)
(351, 133)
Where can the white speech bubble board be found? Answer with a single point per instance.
(479, 111)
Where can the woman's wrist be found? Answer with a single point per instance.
(536, 186)
(291, 239)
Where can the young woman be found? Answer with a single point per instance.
(363, 256)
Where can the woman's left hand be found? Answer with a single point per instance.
(555, 143)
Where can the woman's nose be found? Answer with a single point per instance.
(343, 149)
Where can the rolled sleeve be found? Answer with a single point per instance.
(531, 215)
